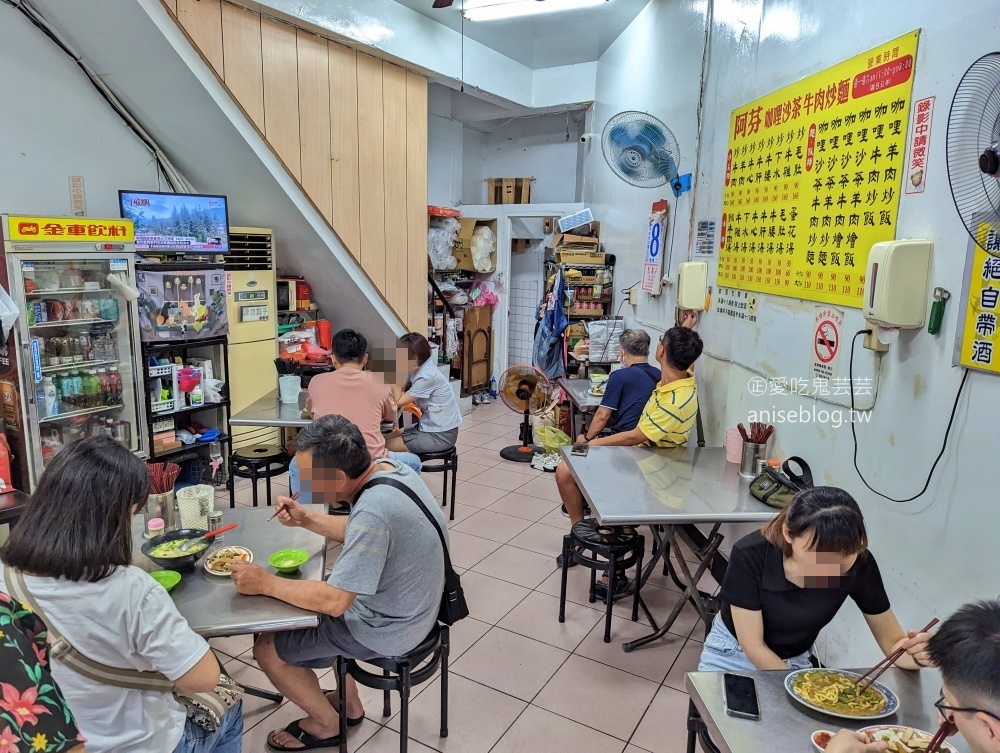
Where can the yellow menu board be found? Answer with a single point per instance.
(977, 345)
(813, 177)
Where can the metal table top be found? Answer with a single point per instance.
(577, 389)
(210, 603)
(785, 725)
(270, 411)
(643, 486)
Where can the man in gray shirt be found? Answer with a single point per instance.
(384, 593)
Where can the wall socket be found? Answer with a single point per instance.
(871, 341)
(633, 295)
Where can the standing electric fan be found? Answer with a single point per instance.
(526, 390)
(642, 151)
(974, 151)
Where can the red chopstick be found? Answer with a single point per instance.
(947, 729)
(887, 662)
(294, 497)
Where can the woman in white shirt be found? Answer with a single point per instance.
(74, 546)
(429, 389)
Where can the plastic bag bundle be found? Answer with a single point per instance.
(441, 237)
(482, 295)
(484, 245)
(451, 339)
(604, 336)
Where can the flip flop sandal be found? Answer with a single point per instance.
(350, 722)
(309, 742)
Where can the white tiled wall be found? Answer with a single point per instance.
(523, 303)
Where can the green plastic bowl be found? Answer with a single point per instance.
(166, 578)
(288, 560)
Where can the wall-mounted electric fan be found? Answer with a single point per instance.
(642, 151)
(974, 151)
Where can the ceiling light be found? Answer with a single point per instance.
(496, 11)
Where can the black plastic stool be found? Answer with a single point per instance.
(261, 461)
(399, 673)
(448, 462)
(619, 548)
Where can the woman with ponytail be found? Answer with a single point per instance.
(787, 581)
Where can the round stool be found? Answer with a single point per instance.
(445, 461)
(611, 548)
(260, 461)
(399, 673)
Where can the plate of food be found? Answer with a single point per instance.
(598, 391)
(835, 692)
(220, 561)
(904, 739)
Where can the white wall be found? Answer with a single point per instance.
(444, 150)
(54, 124)
(534, 146)
(941, 550)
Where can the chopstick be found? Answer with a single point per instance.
(758, 433)
(294, 497)
(887, 662)
(946, 729)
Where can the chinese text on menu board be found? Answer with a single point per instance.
(813, 177)
(981, 325)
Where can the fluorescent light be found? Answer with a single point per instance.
(498, 11)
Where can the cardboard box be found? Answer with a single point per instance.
(520, 245)
(580, 242)
(463, 246)
(573, 256)
(508, 190)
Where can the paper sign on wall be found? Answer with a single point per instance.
(920, 140)
(828, 329)
(979, 326)
(812, 178)
(652, 270)
(77, 196)
(705, 242)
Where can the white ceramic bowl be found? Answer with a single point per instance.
(222, 549)
(816, 734)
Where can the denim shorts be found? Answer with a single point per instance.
(722, 653)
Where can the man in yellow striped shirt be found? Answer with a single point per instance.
(667, 417)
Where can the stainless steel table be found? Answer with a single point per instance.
(674, 489)
(270, 411)
(785, 725)
(580, 400)
(210, 603)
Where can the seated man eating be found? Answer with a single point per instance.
(384, 593)
(627, 390)
(667, 418)
(362, 397)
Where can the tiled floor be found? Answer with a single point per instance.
(520, 681)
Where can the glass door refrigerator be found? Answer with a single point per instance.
(70, 367)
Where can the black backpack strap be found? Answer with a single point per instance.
(804, 477)
(423, 508)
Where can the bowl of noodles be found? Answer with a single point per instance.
(835, 692)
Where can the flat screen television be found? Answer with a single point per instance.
(177, 223)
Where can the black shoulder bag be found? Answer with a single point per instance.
(453, 606)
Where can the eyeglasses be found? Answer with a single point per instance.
(943, 708)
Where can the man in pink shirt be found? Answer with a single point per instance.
(362, 397)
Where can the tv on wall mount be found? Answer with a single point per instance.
(177, 223)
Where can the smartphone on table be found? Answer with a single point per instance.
(581, 449)
(741, 696)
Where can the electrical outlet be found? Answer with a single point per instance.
(633, 295)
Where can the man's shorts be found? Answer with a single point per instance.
(319, 647)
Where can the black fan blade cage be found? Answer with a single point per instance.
(973, 126)
(640, 149)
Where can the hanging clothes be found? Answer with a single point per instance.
(547, 354)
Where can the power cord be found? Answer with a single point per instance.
(854, 433)
(617, 314)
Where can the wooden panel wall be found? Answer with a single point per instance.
(351, 129)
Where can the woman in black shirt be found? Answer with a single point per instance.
(787, 582)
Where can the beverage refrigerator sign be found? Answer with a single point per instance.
(652, 270)
(813, 175)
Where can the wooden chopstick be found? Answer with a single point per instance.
(294, 497)
(946, 729)
(887, 662)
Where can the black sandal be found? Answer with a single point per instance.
(309, 742)
(350, 722)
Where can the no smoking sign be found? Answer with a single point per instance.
(826, 342)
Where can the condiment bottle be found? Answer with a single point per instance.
(155, 526)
